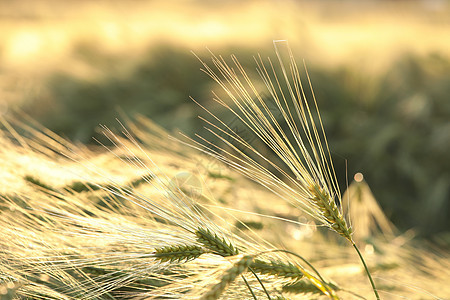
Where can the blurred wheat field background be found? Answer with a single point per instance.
(381, 76)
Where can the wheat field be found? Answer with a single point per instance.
(145, 215)
(240, 198)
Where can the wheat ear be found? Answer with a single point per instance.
(229, 276)
(214, 243)
(178, 253)
(330, 211)
(287, 124)
(277, 268)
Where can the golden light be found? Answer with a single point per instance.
(358, 177)
(23, 45)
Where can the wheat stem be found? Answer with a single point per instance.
(249, 287)
(367, 271)
(260, 282)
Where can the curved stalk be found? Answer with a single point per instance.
(367, 271)
(260, 282)
(249, 288)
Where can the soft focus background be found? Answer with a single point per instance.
(380, 70)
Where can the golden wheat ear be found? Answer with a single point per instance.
(300, 169)
(276, 113)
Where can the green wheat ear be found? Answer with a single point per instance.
(277, 268)
(178, 253)
(223, 248)
(214, 243)
(330, 211)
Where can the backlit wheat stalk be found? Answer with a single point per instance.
(286, 123)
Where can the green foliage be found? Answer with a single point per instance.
(159, 86)
(395, 130)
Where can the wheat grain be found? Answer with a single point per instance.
(129, 240)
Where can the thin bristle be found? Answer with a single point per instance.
(287, 124)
